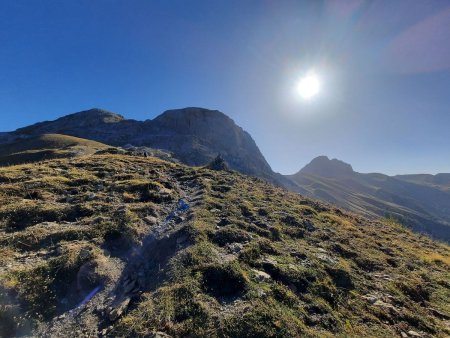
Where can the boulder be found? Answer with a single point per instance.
(261, 276)
(118, 311)
(235, 247)
(160, 334)
(151, 220)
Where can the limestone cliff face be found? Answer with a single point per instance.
(194, 135)
(198, 135)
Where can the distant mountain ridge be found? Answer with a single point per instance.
(194, 135)
(419, 201)
(440, 181)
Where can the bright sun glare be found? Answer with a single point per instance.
(308, 86)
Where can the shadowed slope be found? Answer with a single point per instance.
(45, 147)
(419, 201)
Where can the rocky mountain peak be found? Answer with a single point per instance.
(325, 167)
(193, 119)
(87, 119)
(94, 115)
(197, 112)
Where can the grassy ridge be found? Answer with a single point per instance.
(45, 147)
(260, 261)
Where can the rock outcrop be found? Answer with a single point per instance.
(217, 164)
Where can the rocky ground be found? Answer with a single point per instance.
(118, 245)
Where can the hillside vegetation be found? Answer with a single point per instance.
(116, 245)
(438, 181)
(46, 146)
(421, 202)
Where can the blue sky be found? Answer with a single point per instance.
(384, 68)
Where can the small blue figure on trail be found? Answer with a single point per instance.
(182, 205)
(181, 208)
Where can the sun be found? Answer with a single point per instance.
(308, 86)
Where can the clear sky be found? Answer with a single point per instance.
(384, 70)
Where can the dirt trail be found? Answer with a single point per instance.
(141, 269)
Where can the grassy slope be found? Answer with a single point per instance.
(46, 146)
(327, 273)
(374, 197)
(438, 181)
